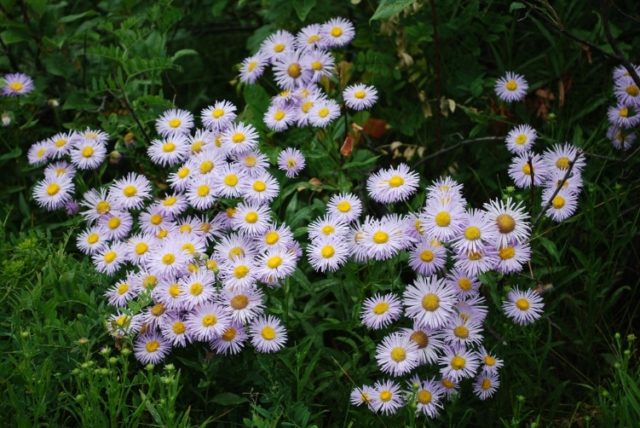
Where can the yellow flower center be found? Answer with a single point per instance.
(92, 238)
(294, 70)
(157, 309)
(185, 228)
(155, 219)
(328, 229)
(268, 333)
(239, 302)
(196, 289)
(486, 383)
(507, 252)
(168, 259)
(396, 181)
(278, 115)
(60, 143)
(250, 161)
(196, 146)
(209, 320)
(141, 248)
(458, 363)
(238, 137)
(526, 169)
(206, 167)
(162, 233)
(506, 223)
(53, 189)
(336, 32)
(420, 338)
(250, 67)
(110, 256)
(123, 288)
(430, 302)
(174, 290)
(150, 281)
(489, 360)
(130, 191)
(360, 94)
(323, 112)
(259, 186)
(633, 90)
(114, 223)
(169, 201)
(558, 202)
(231, 180)
(380, 308)
(443, 219)
(474, 256)
(386, 395)
(424, 397)
(41, 152)
(465, 283)
(179, 327)
(624, 112)
(168, 147)
(229, 334)
(343, 206)
(16, 86)
(522, 304)
(472, 233)
(251, 217)
(563, 162)
(87, 152)
(271, 237)
(152, 346)
(274, 262)
(316, 65)
(327, 251)
(174, 123)
(427, 256)
(203, 190)
(448, 383)
(306, 106)
(291, 162)
(380, 237)
(217, 113)
(278, 47)
(398, 354)
(236, 252)
(511, 85)
(241, 271)
(461, 331)
(313, 38)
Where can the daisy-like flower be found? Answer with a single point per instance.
(53, 192)
(97, 203)
(252, 163)
(17, 84)
(40, 152)
(241, 271)
(383, 238)
(624, 116)
(172, 205)
(205, 164)
(397, 354)
(289, 72)
(521, 138)
(202, 140)
(228, 181)
(486, 385)
(179, 180)
(121, 293)
(563, 204)
(442, 221)
(277, 45)
(275, 264)
(457, 363)
(627, 92)
(275, 237)
(60, 169)
(621, 139)
(346, 207)
(208, 321)
(509, 219)
(110, 258)
(512, 256)
(512, 87)
(428, 257)
(151, 348)
(338, 32)
(327, 254)
(154, 316)
(120, 325)
(559, 158)
(309, 37)
(169, 293)
(291, 161)
(252, 68)
(251, 219)
(445, 191)
(116, 224)
(279, 118)
(88, 154)
(449, 386)
(327, 227)
(231, 341)
(474, 263)
(267, 334)
(197, 288)
(174, 330)
(169, 259)
(462, 284)
(140, 247)
(318, 63)
(174, 122)
(429, 342)
(131, 191)
(60, 144)
(380, 310)
(260, 189)
(429, 302)
(523, 307)
(387, 398)
(620, 73)
(239, 138)
(393, 184)
(472, 309)
(527, 167)
(362, 395)
(170, 151)
(490, 363)
(359, 96)
(201, 193)
(323, 112)
(218, 116)
(304, 108)
(463, 331)
(242, 303)
(233, 246)
(428, 396)
(91, 240)
(477, 232)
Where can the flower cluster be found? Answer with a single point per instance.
(16, 84)
(180, 275)
(625, 115)
(299, 62)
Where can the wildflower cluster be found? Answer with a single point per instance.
(181, 276)
(299, 63)
(625, 115)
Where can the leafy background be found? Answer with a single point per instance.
(118, 64)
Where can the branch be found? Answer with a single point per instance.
(455, 146)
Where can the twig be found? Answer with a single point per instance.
(436, 44)
(607, 32)
(125, 98)
(546, 206)
(455, 146)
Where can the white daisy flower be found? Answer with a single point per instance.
(327, 254)
(457, 363)
(520, 139)
(309, 37)
(267, 334)
(208, 321)
(252, 68)
(528, 167)
(380, 310)
(60, 144)
(429, 302)
(359, 96)
(131, 191)
(201, 193)
(251, 219)
(40, 152)
(219, 116)
(523, 307)
(116, 224)
(393, 184)
(442, 220)
(197, 289)
(428, 396)
(239, 272)
(275, 264)
(98, 203)
(338, 32)
(327, 227)
(397, 354)
(121, 293)
(174, 122)
(171, 151)
(563, 204)
(252, 163)
(151, 348)
(387, 398)
(486, 385)
(477, 232)
(428, 257)
(174, 330)
(52, 193)
(231, 341)
(88, 154)
(242, 303)
(323, 112)
(509, 219)
(279, 118)
(91, 240)
(110, 258)
(277, 45)
(261, 190)
(345, 207)
(383, 238)
(429, 342)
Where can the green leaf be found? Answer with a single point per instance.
(183, 52)
(303, 7)
(78, 101)
(71, 18)
(14, 35)
(228, 399)
(516, 5)
(388, 8)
